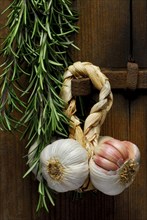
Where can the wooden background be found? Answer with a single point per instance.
(104, 40)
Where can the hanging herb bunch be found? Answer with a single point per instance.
(36, 48)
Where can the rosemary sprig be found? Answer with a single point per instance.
(36, 49)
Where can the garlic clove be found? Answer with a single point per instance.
(64, 165)
(133, 150)
(107, 177)
(102, 139)
(105, 163)
(119, 145)
(110, 153)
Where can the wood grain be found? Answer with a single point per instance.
(138, 131)
(15, 202)
(116, 125)
(104, 32)
(140, 32)
(104, 40)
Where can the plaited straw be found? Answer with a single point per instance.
(88, 137)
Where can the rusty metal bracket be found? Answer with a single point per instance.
(81, 87)
(132, 75)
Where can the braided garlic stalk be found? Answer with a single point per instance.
(86, 161)
(89, 137)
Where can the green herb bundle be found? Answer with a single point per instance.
(36, 50)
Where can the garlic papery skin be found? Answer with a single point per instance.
(114, 165)
(64, 165)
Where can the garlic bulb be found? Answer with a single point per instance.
(64, 165)
(114, 165)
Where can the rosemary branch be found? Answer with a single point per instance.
(36, 48)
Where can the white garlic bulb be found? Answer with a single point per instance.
(114, 165)
(64, 165)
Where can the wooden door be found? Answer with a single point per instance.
(104, 40)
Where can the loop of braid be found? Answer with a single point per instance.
(88, 137)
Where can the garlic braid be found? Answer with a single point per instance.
(88, 137)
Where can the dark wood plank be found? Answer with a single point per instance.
(103, 37)
(15, 192)
(129, 122)
(116, 125)
(140, 32)
(132, 126)
(138, 130)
